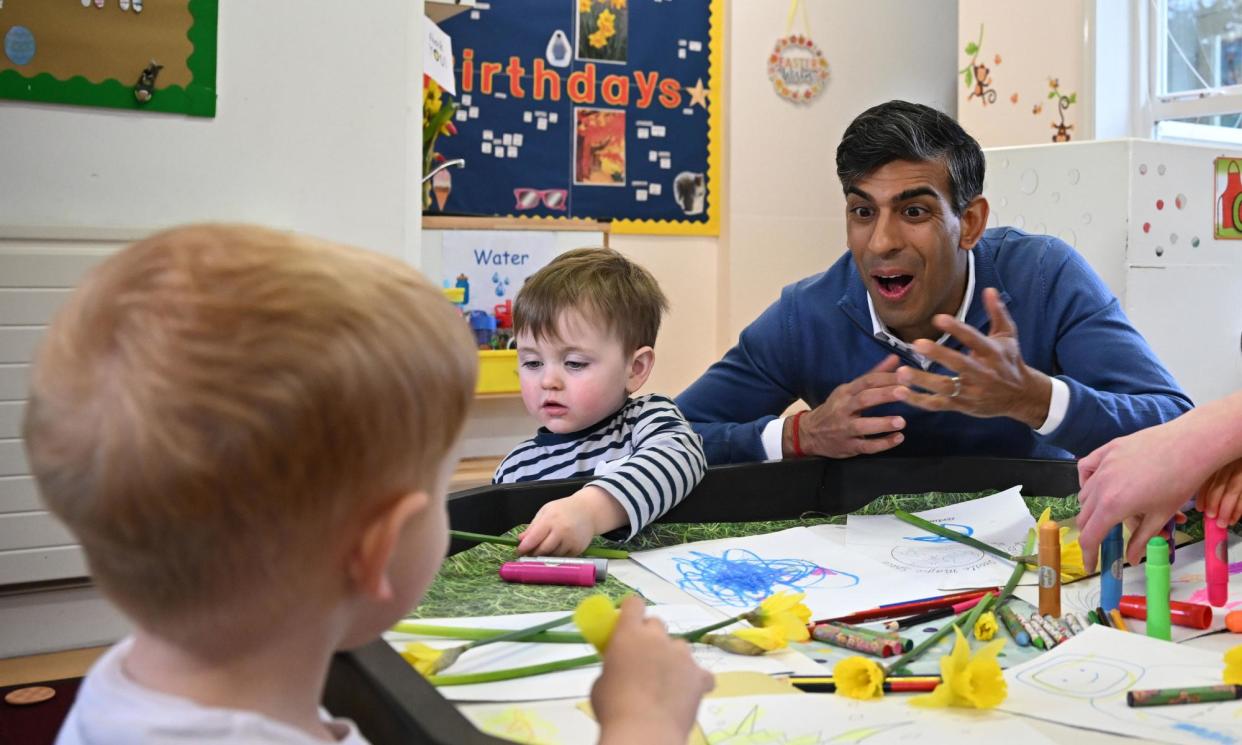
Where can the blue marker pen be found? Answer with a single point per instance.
(1111, 562)
(1171, 529)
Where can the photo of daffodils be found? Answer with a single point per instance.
(603, 30)
(778, 620)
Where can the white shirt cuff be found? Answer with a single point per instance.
(1058, 404)
(773, 433)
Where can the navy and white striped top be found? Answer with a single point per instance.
(646, 456)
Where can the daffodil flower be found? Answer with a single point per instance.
(784, 611)
(749, 641)
(1233, 666)
(969, 681)
(428, 660)
(858, 677)
(596, 617)
(986, 627)
(1072, 566)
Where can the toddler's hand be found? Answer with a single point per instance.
(651, 686)
(566, 526)
(1220, 497)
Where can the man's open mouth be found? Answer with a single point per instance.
(893, 286)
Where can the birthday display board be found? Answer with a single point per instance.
(123, 54)
(598, 109)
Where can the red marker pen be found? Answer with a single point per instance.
(533, 573)
(1189, 615)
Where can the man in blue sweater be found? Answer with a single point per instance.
(933, 335)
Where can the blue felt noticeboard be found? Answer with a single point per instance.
(596, 109)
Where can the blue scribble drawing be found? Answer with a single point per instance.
(925, 538)
(741, 578)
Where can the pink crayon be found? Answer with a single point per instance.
(1216, 556)
(533, 573)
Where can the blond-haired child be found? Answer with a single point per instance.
(586, 325)
(251, 433)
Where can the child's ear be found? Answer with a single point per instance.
(377, 543)
(641, 363)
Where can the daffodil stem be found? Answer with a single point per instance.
(696, 634)
(462, 632)
(1018, 570)
(953, 535)
(969, 616)
(513, 672)
(596, 551)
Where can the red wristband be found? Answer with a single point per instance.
(796, 440)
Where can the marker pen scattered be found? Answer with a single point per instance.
(1216, 556)
(1119, 623)
(1049, 569)
(1190, 615)
(531, 573)
(601, 565)
(1158, 621)
(1112, 561)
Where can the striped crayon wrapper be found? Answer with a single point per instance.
(1193, 695)
(851, 639)
(1014, 624)
(1036, 640)
(1045, 633)
(1056, 629)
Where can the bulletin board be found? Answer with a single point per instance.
(92, 53)
(607, 110)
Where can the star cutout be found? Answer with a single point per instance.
(698, 94)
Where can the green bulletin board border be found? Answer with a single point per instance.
(196, 99)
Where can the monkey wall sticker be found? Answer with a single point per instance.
(976, 75)
(1062, 133)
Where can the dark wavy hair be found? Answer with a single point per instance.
(900, 130)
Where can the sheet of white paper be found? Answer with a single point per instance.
(577, 683)
(1187, 583)
(1083, 683)
(736, 573)
(1001, 520)
(819, 718)
(541, 722)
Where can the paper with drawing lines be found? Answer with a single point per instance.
(734, 574)
(577, 683)
(819, 719)
(1001, 520)
(536, 722)
(1083, 683)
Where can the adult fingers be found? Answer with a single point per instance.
(878, 396)
(1091, 533)
(968, 335)
(865, 426)
(877, 375)
(1002, 322)
(869, 445)
(935, 402)
(954, 360)
(934, 383)
(1087, 466)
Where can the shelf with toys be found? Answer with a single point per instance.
(493, 334)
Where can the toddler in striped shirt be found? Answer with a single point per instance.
(585, 327)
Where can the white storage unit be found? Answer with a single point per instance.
(1141, 212)
(35, 278)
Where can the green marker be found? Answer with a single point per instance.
(1159, 624)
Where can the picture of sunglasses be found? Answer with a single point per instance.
(529, 199)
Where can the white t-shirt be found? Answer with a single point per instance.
(111, 709)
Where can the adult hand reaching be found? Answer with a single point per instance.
(837, 429)
(992, 380)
